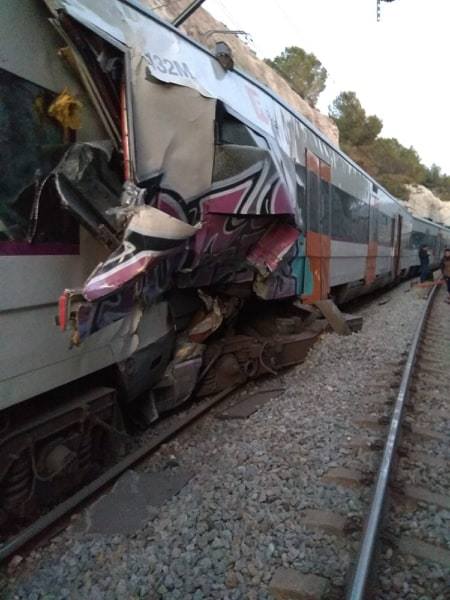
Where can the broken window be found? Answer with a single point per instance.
(238, 147)
(32, 143)
(231, 130)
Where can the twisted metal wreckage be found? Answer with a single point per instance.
(206, 213)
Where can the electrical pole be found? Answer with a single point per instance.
(379, 8)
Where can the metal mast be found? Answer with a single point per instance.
(187, 12)
(379, 8)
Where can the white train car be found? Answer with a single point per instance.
(136, 170)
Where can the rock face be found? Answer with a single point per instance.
(201, 22)
(423, 203)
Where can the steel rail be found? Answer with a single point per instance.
(361, 575)
(33, 530)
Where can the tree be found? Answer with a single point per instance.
(303, 71)
(396, 166)
(355, 127)
(438, 182)
(392, 158)
(388, 161)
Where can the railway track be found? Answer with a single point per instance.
(419, 454)
(47, 521)
(142, 448)
(406, 538)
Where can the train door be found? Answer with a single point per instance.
(397, 243)
(318, 241)
(325, 227)
(439, 246)
(372, 246)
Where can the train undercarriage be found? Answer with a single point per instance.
(55, 443)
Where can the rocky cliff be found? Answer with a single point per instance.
(202, 22)
(423, 203)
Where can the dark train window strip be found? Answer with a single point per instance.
(32, 143)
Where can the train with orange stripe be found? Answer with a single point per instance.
(150, 194)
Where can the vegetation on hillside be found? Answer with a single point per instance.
(391, 163)
(303, 71)
(438, 182)
(386, 159)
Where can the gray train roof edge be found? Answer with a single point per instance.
(173, 60)
(426, 221)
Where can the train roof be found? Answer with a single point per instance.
(148, 12)
(426, 221)
(86, 8)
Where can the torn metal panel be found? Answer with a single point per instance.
(91, 317)
(223, 191)
(170, 58)
(147, 337)
(272, 247)
(174, 134)
(287, 280)
(227, 187)
(174, 59)
(87, 186)
(216, 311)
(207, 321)
(180, 376)
(150, 235)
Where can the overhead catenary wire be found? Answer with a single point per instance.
(286, 17)
(232, 21)
(163, 5)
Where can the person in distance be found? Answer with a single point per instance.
(445, 270)
(424, 257)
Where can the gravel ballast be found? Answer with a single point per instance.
(240, 517)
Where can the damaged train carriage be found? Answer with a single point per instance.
(178, 192)
(122, 194)
(155, 193)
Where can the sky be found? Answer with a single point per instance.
(398, 67)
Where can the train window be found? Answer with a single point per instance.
(32, 143)
(340, 215)
(313, 194)
(325, 206)
(385, 227)
(349, 217)
(233, 131)
(424, 237)
(417, 239)
(300, 171)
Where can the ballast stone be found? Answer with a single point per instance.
(288, 584)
